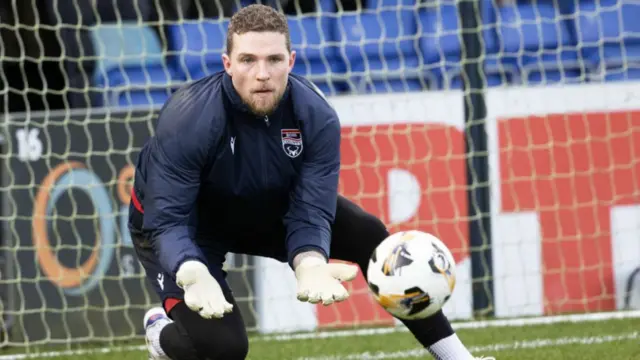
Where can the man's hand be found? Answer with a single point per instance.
(320, 281)
(202, 293)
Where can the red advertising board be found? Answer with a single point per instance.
(434, 154)
(569, 168)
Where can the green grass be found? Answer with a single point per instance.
(613, 339)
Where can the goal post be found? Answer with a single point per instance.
(508, 130)
(471, 62)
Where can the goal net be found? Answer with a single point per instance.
(556, 179)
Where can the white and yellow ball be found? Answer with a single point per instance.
(411, 274)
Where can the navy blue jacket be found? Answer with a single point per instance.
(215, 174)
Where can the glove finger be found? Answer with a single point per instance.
(328, 301)
(205, 314)
(303, 294)
(343, 272)
(340, 293)
(193, 302)
(224, 306)
(221, 306)
(337, 291)
(217, 313)
(207, 311)
(213, 309)
(314, 297)
(228, 307)
(327, 298)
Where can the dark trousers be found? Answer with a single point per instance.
(355, 234)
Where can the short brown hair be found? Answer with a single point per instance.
(257, 18)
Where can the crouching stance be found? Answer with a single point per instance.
(247, 161)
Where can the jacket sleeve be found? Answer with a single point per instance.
(313, 199)
(176, 158)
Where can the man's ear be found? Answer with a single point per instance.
(292, 59)
(226, 61)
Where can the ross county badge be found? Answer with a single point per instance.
(291, 142)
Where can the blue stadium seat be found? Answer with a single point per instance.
(379, 46)
(316, 57)
(441, 44)
(196, 47)
(608, 34)
(131, 67)
(536, 40)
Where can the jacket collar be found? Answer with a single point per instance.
(236, 100)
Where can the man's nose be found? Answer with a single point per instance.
(263, 71)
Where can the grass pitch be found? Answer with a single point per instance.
(610, 339)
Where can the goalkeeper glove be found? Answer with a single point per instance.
(320, 281)
(202, 293)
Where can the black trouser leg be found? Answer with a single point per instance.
(356, 234)
(191, 337)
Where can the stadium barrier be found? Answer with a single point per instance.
(565, 210)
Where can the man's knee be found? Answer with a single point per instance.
(356, 233)
(375, 229)
(229, 346)
(367, 226)
(214, 339)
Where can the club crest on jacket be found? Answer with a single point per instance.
(291, 142)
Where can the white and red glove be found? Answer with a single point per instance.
(320, 281)
(202, 293)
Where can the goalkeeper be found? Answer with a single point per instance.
(247, 161)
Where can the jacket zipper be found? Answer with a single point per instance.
(265, 148)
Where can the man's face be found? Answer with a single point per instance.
(259, 65)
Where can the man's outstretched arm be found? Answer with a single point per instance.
(177, 155)
(311, 213)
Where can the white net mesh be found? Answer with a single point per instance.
(561, 126)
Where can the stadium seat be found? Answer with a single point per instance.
(441, 44)
(312, 37)
(316, 57)
(608, 34)
(537, 42)
(130, 67)
(196, 47)
(380, 40)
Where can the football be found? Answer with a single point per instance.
(411, 274)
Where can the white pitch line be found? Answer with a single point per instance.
(528, 344)
(55, 354)
(515, 322)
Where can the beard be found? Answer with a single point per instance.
(263, 104)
